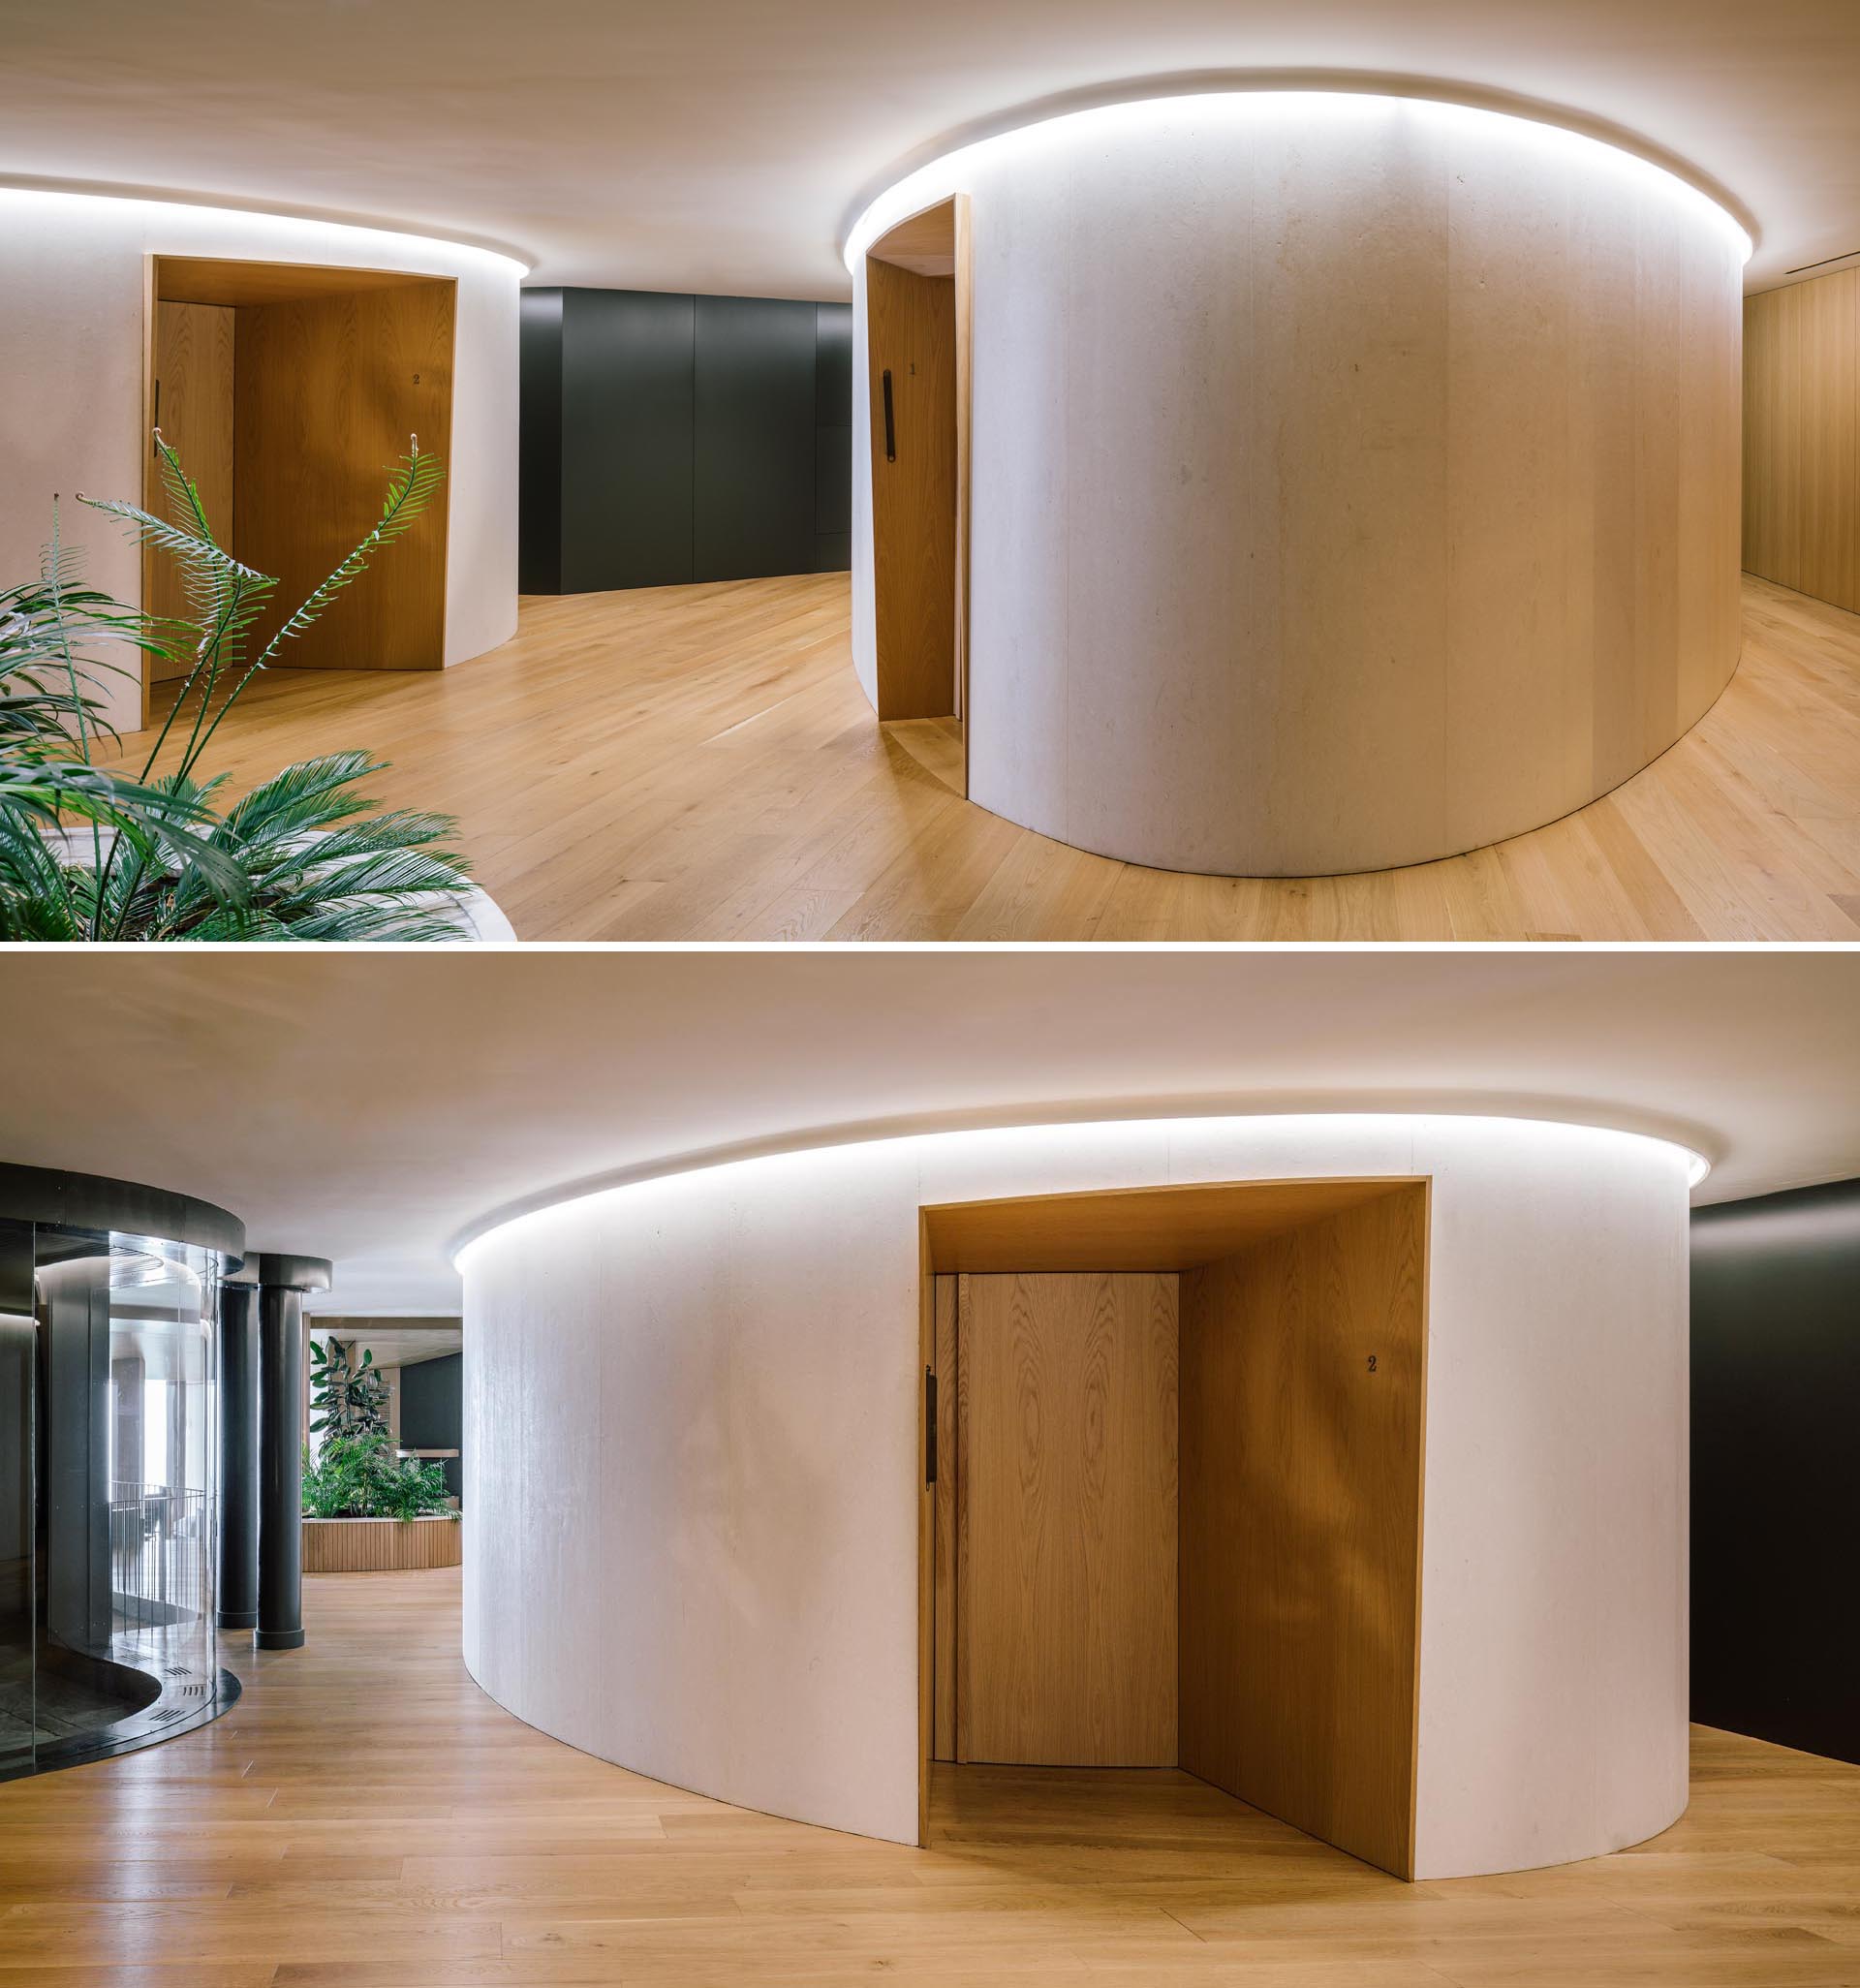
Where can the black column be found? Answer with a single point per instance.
(282, 1281)
(238, 1456)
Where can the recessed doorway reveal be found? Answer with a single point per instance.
(918, 341)
(1172, 1506)
(290, 392)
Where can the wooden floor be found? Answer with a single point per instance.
(367, 1816)
(698, 763)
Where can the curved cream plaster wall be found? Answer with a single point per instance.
(72, 335)
(692, 1463)
(1355, 480)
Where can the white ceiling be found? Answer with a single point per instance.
(370, 1107)
(718, 145)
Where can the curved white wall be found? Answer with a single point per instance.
(72, 338)
(692, 1406)
(1355, 480)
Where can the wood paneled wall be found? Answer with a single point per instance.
(329, 389)
(1801, 437)
(944, 1548)
(193, 394)
(380, 1545)
(1302, 1397)
(1066, 1603)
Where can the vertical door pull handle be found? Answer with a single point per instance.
(929, 1427)
(891, 428)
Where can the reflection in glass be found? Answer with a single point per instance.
(107, 1507)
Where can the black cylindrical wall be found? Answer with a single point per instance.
(281, 1352)
(238, 1605)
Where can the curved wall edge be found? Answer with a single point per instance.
(1698, 1144)
(691, 1426)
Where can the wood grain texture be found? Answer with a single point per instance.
(963, 273)
(1801, 437)
(380, 1545)
(218, 280)
(943, 1604)
(911, 335)
(1170, 1227)
(1303, 1393)
(329, 388)
(700, 762)
(1067, 1629)
(923, 243)
(192, 361)
(367, 1818)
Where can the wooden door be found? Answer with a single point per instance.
(911, 333)
(192, 400)
(331, 387)
(1065, 1606)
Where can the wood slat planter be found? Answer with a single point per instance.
(379, 1546)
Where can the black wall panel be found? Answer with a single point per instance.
(1775, 1468)
(754, 507)
(539, 443)
(432, 1410)
(670, 438)
(833, 438)
(628, 385)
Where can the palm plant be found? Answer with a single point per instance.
(305, 855)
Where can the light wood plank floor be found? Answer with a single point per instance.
(698, 763)
(365, 1817)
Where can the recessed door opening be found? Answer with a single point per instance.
(290, 392)
(917, 310)
(1174, 1515)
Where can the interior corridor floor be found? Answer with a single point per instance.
(367, 1816)
(698, 763)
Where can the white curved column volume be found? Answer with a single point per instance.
(692, 1415)
(1354, 478)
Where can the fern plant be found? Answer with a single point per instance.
(307, 855)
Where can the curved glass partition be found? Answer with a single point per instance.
(107, 1433)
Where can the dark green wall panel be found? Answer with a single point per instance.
(432, 1411)
(628, 373)
(753, 443)
(539, 443)
(670, 438)
(833, 438)
(1775, 1468)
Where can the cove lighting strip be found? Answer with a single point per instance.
(1147, 117)
(230, 232)
(1236, 1125)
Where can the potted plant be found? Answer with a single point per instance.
(367, 1510)
(360, 1500)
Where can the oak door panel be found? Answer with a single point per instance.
(330, 390)
(1065, 1616)
(910, 332)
